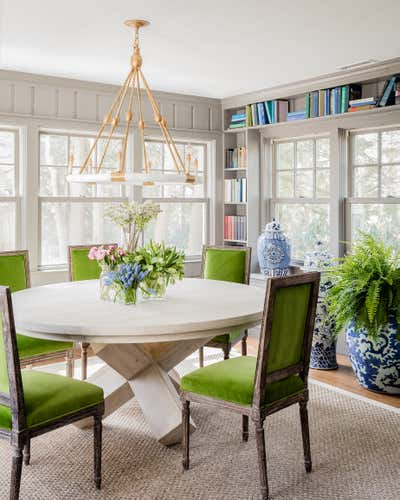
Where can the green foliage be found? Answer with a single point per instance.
(366, 286)
(165, 265)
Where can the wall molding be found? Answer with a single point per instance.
(45, 97)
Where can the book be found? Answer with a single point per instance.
(314, 107)
(321, 103)
(297, 115)
(327, 107)
(268, 109)
(308, 105)
(282, 110)
(254, 114)
(364, 100)
(241, 124)
(249, 118)
(387, 97)
(262, 115)
(361, 108)
(360, 103)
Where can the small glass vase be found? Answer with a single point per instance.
(155, 288)
(128, 296)
(106, 291)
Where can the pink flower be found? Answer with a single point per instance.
(101, 253)
(111, 248)
(112, 258)
(93, 253)
(121, 251)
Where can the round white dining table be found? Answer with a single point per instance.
(140, 344)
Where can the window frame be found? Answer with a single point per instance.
(126, 190)
(276, 200)
(204, 200)
(379, 199)
(18, 194)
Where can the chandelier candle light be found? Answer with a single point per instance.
(130, 92)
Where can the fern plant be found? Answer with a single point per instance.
(366, 286)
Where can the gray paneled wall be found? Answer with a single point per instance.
(37, 96)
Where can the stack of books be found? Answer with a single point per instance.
(238, 120)
(266, 112)
(236, 190)
(333, 101)
(236, 158)
(235, 228)
(362, 104)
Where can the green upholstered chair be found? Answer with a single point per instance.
(33, 403)
(226, 264)
(81, 268)
(275, 380)
(14, 273)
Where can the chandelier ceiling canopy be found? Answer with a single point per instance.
(130, 96)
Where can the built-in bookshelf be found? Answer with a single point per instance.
(359, 98)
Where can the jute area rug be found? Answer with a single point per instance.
(355, 448)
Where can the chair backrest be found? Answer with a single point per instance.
(11, 389)
(80, 267)
(14, 270)
(226, 263)
(286, 330)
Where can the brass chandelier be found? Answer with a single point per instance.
(130, 92)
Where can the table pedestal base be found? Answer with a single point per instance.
(146, 372)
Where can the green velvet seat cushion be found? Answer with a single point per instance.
(226, 338)
(29, 346)
(225, 265)
(49, 397)
(82, 267)
(233, 380)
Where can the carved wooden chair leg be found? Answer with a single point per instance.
(27, 452)
(97, 434)
(16, 473)
(245, 427)
(70, 364)
(201, 357)
(262, 459)
(305, 431)
(185, 433)
(84, 359)
(244, 343)
(227, 350)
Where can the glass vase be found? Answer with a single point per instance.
(155, 287)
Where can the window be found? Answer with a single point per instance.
(184, 207)
(301, 191)
(9, 189)
(73, 213)
(375, 184)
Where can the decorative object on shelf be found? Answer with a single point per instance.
(365, 300)
(89, 172)
(323, 352)
(132, 217)
(273, 250)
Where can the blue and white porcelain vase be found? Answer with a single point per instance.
(376, 362)
(273, 250)
(323, 351)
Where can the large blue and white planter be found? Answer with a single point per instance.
(376, 363)
(273, 251)
(323, 351)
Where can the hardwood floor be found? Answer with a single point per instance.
(342, 378)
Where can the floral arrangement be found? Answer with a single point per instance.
(132, 217)
(146, 272)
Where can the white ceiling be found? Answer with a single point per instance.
(215, 48)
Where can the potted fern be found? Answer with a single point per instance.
(365, 301)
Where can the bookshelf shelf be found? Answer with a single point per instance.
(242, 242)
(339, 116)
(235, 203)
(235, 169)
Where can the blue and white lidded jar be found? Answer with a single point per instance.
(323, 352)
(273, 250)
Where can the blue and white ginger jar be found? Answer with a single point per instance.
(323, 351)
(273, 250)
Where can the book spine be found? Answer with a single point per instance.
(308, 105)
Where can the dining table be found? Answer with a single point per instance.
(140, 344)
